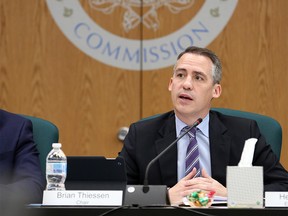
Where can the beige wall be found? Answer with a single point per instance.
(45, 75)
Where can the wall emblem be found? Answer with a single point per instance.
(135, 34)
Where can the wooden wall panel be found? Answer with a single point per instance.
(43, 74)
(253, 48)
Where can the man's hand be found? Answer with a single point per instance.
(207, 183)
(189, 184)
(178, 191)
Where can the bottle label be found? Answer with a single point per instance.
(56, 168)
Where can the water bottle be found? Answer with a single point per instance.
(56, 168)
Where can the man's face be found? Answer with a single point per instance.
(192, 87)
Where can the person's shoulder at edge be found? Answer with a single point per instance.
(155, 121)
(155, 118)
(6, 116)
(229, 118)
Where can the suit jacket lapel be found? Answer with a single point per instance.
(220, 143)
(219, 149)
(168, 161)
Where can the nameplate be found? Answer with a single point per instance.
(83, 198)
(276, 199)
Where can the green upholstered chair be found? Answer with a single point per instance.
(269, 127)
(45, 133)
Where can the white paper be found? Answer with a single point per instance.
(247, 153)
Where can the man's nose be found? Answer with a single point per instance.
(188, 84)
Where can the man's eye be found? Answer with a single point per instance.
(180, 75)
(197, 77)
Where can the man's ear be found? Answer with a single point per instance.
(170, 84)
(217, 89)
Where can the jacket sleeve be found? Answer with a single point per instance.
(24, 179)
(275, 176)
(128, 152)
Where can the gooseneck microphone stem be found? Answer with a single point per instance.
(145, 185)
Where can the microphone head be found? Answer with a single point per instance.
(198, 121)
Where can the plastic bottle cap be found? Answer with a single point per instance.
(56, 145)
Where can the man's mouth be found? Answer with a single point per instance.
(185, 97)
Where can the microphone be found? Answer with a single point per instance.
(146, 186)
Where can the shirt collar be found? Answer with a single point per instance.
(203, 126)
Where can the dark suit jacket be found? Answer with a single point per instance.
(227, 136)
(21, 177)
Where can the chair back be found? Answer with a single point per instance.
(45, 133)
(269, 127)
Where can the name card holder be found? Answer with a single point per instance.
(83, 198)
(276, 199)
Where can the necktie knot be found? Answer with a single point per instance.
(191, 133)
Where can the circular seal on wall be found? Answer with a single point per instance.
(131, 34)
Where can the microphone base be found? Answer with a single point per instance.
(150, 195)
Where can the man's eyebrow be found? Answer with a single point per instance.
(180, 69)
(194, 72)
(199, 72)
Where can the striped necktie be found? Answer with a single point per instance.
(192, 153)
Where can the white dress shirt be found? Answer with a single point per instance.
(202, 136)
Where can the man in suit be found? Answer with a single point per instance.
(21, 178)
(195, 82)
